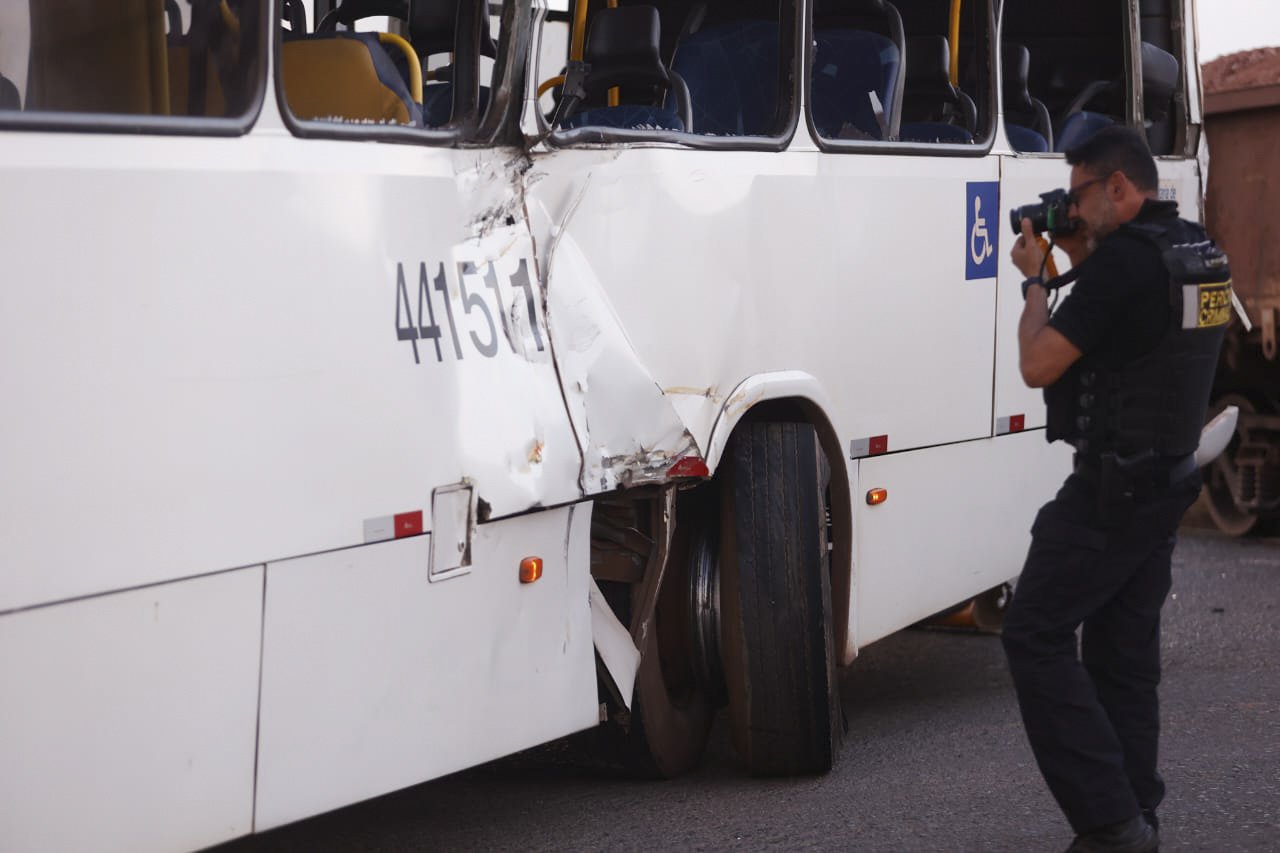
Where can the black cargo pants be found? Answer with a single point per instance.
(1092, 716)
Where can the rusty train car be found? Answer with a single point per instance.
(1242, 486)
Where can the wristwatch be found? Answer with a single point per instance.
(1030, 280)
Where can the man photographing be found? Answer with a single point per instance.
(1127, 363)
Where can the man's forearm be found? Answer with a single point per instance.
(1035, 316)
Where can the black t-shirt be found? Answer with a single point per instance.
(1119, 308)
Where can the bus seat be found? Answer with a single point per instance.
(9, 97)
(731, 70)
(95, 57)
(935, 131)
(1027, 121)
(1080, 126)
(623, 50)
(1025, 139)
(345, 76)
(1160, 82)
(437, 103)
(933, 110)
(858, 51)
(184, 102)
(433, 31)
(849, 65)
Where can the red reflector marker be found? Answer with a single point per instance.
(871, 446)
(689, 466)
(1017, 423)
(408, 523)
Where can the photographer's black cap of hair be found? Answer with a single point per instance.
(1118, 149)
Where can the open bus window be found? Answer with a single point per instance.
(883, 72)
(706, 68)
(1067, 73)
(175, 58)
(1064, 72)
(410, 63)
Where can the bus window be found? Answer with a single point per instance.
(431, 66)
(1065, 72)
(909, 71)
(177, 58)
(707, 71)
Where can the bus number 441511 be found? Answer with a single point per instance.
(476, 311)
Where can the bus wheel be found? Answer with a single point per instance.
(777, 641)
(676, 685)
(1219, 476)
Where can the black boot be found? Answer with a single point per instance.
(1134, 835)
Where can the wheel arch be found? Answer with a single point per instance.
(797, 396)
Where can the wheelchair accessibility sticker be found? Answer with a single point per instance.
(983, 230)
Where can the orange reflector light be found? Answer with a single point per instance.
(875, 497)
(530, 569)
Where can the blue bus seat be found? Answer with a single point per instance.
(731, 70)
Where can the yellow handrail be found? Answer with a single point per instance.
(548, 85)
(415, 65)
(615, 94)
(579, 42)
(955, 42)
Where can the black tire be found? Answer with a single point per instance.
(672, 708)
(777, 642)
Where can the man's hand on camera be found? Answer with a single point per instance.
(1027, 254)
(1076, 245)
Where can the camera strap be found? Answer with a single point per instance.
(1062, 280)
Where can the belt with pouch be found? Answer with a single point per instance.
(1144, 471)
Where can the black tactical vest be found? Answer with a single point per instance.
(1158, 402)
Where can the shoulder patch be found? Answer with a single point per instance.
(1206, 306)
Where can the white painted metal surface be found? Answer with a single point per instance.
(957, 521)
(374, 678)
(127, 721)
(215, 378)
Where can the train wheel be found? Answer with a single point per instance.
(1227, 516)
(777, 640)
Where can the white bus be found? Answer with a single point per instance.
(392, 387)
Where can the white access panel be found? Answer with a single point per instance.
(1024, 177)
(127, 721)
(957, 522)
(375, 678)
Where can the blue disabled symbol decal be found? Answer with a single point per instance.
(983, 230)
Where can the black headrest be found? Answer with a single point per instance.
(433, 25)
(9, 98)
(1159, 75)
(863, 7)
(623, 46)
(876, 16)
(351, 11)
(929, 61)
(1016, 66)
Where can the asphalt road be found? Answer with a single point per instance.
(935, 758)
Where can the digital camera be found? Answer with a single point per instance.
(1049, 215)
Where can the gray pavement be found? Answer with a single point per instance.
(935, 758)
